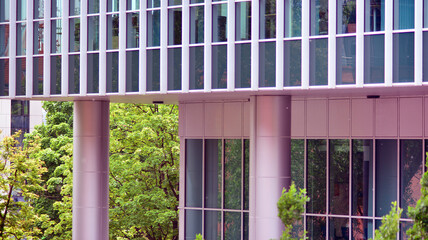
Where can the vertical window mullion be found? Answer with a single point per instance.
(29, 51)
(305, 44)
(389, 7)
(102, 82)
(207, 45)
(143, 48)
(222, 187)
(280, 44)
(332, 43)
(418, 42)
(231, 48)
(163, 47)
(83, 46)
(255, 6)
(359, 70)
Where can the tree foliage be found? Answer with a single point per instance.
(390, 224)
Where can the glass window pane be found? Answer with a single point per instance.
(213, 173)
(38, 76)
(153, 70)
(267, 19)
(316, 227)
(246, 175)
(4, 10)
(193, 224)
(318, 62)
(362, 177)
(193, 173)
(153, 3)
(21, 70)
(21, 10)
(93, 76)
(292, 63)
(93, 6)
(93, 33)
(55, 75)
(374, 15)
(243, 65)
(410, 173)
(232, 225)
(297, 162)
(132, 4)
(174, 2)
(267, 64)
(339, 177)
(316, 175)
(404, 226)
(425, 55)
(362, 229)
(293, 18)
(112, 72)
(232, 173)
(56, 33)
(243, 21)
(196, 73)
(38, 9)
(133, 30)
(404, 14)
(56, 8)
(4, 40)
(386, 175)
(338, 228)
(73, 74)
(319, 17)
(153, 28)
(219, 67)
(345, 60)
(197, 24)
(220, 23)
(174, 26)
(113, 31)
(425, 13)
(298, 229)
(174, 69)
(74, 7)
(74, 35)
(113, 5)
(374, 59)
(21, 40)
(4, 77)
(346, 16)
(403, 57)
(132, 71)
(197, 1)
(212, 223)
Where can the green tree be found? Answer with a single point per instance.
(390, 224)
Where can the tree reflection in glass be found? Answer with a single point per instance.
(232, 173)
(316, 176)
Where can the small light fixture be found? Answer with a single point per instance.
(157, 102)
(373, 96)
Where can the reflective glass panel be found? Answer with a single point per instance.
(197, 1)
(232, 173)
(193, 173)
(56, 33)
(153, 28)
(246, 175)
(73, 74)
(196, 71)
(403, 57)
(113, 31)
(232, 225)
(404, 14)
(386, 175)
(243, 65)
(316, 175)
(4, 11)
(93, 33)
(212, 223)
(56, 8)
(319, 17)
(404, 226)
(424, 61)
(425, 13)
(112, 72)
(38, 9)
(267, 64)
(193, 223)
(346, 16)
(174, 2)
(339, 177)
(4, 77)
(362, 229)
(219, 66)
(246, 226)
(21, 10)
(153, 3)
(74, 7)
(243, 21)
(267, 19)
(374, 58)
(21, 40)
(338, 228)
(318, 61)
(132, 71)
(213, 173)
(174, 26)
(93, 6)
(21, 70)
(37, 75)
(113, 5)
(345, 60)
(197, 24)
(298, 229)
(374, 15)
(174, 69)
(4, 40)
(93, 72)
(74, 35)
(153, 70)
(219, 22)
(293, 18)
(132, 4)
(292, 63)
(55, 75)
(133, 30)
(297, 162)
(316, 227)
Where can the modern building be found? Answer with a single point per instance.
(329, 94)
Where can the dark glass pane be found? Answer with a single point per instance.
(21, 39)
(298, 229)
(374, 15)
(153, 3)
(132, 71)
(246, 174)
(113, 6)
(174, 2)
(74, 7)
(267, 19)
(298, 162)
(153, 70)
(219, 22)
(267, 64)
(4, 11)
(318, 62)
(213, 170)
(113, 31)
(403, 57)
(362, 229)
(197, 1)
(196, 80)
(293, 18)
(74, 74)
(112, 72)
(193, 174)
(38, 9)
(21, 70)
(4, 40)
(425, 25)
(316, 175)
(386, 175)
(425, 52)
(174, 26)
(404, 226)
(339, 176)
(56, 8)
(374, 58)
(292, 63)
(132, 4)
(362, 177)
(243, 65)
(93, 6)
(197, 24)
(232, 225)
(93, 33)
(232, 173)
(243, 21)
(193, 224)
(21, 9)
(410, 173)
(219, 67)
(174, 69)
(74, 35)
(55, 75)
(346, 16)
(339, 228)
(56, 33)
(345, 60)
(153, 28)
(38, 75)
(212, 228)
(4, 77)
(133, 30)
(38, 41)
(246, 226)
(93, 73)
(316, 227)
(404, 14)
(319, 17)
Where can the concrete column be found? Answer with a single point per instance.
(270, 164)
(90, 170)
